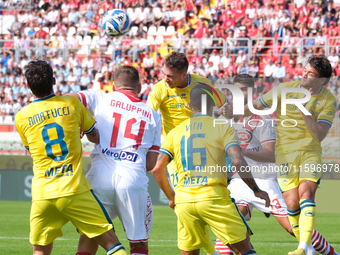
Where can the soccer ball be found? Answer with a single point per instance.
(116, 23)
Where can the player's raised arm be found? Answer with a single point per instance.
(159, 174)
(73, 95)
(241, 165)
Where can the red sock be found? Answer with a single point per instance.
(83, 253)
(223, 249)
(139, 251)
(320, 244)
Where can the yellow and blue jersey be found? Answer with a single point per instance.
(49, 128)
(174, 102)
(197, 148)
(322, 107)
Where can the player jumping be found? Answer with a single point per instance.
(257, 136)
(298, 149)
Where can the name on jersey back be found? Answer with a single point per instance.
(130, 107)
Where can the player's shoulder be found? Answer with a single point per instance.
(195, 78)
(327, 94)
(290, 84)
(159, 86)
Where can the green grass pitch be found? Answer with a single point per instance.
(269, 237)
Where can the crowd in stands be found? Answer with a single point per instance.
(218, 37)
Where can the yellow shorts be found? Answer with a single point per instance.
(84, 210)
(222, 216)
(298, 166)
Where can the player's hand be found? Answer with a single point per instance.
(227, 111)
(81, 132)
(263, 195)
(172, 203)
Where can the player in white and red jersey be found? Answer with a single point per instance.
(257, 138)
(130, 138)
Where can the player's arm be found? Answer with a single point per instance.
(267, 155)
(241, 166)
(93, 136)
(151, 159)
(73, 95)
(158, 173)
(318, 130)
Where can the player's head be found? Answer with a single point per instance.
(196, 94)
(39, 76)
(127, 78)
(317, 72)
(175, 69)
(243, 82)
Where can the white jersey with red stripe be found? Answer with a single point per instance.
(128, 130)
(253, 132)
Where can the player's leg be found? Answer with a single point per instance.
(227, 223)
(321, 245)
(134, 209)
(89, 216)
(45, 225)
(195, 252)
(42, 250)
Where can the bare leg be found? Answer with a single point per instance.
(42, 250)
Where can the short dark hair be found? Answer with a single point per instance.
(126, 76)
(196, 96)
(177, 60)
(39, 76)
(245, 79)
(322, 65)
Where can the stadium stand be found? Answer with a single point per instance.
(270, 40)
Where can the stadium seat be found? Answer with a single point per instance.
(80, 39)
(138, 10)
(46, 29)
(159, 39)
(53, 30)
(8, 120)
(26, 30)
(60, 38)
(152, 30)
(170, 30)
(134, 30)
(71, 31)
(151, 39)
(161, 30)
(145, 28)
(87, 40)
(36, 28)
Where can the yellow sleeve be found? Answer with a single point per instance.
(167, 147)
(20, 131)
(229, 138)
(328, 113)
(155, 97)
(86, 120)
(267, 99)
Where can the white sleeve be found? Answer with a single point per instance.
(156, 144)
(89, 99)
(266, 133)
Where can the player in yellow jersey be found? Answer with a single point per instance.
(49, 129)
(171, 96)
(198, 148)
(298, 149)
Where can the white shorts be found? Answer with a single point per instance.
(244, 196)
(122, 198)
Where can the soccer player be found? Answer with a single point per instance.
(171, 96)
(202, 198)
(298, 149)
(49, 129)
(130, 134)
(257, 137)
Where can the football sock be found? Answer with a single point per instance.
(294, 217)
(252, 252)
(223, 249)
(117, 249)
(307, 220)
(321, 245)
(139, 251)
